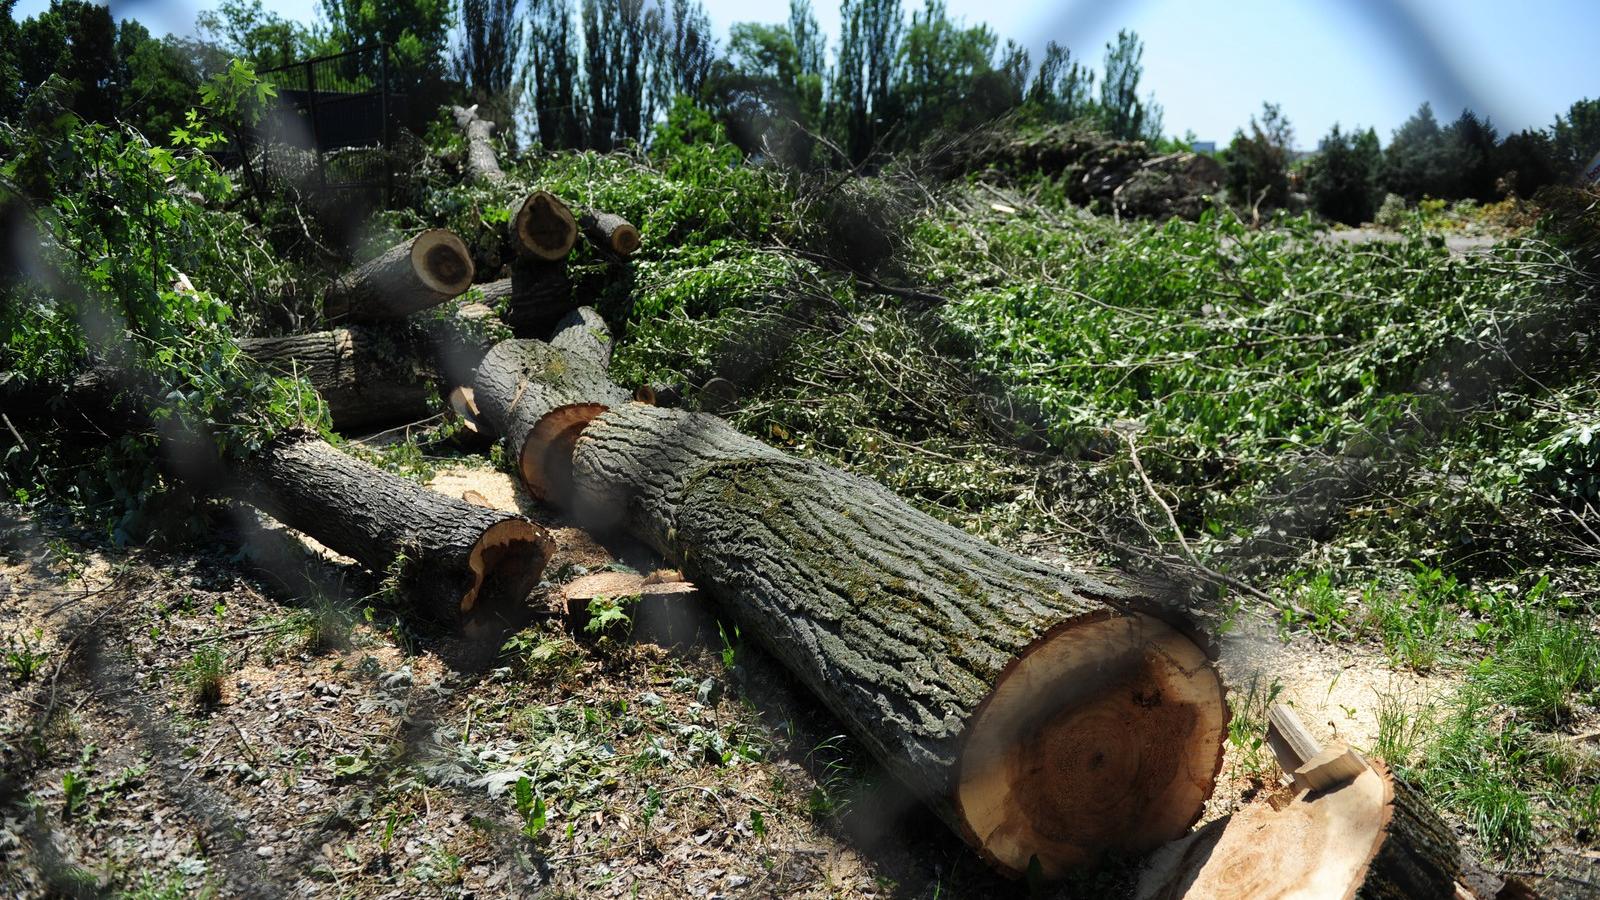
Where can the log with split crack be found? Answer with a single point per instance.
(1043, 714)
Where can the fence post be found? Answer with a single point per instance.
(316, 129)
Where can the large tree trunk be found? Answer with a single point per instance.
(537, 294)
(611, 234)
(413, 275)
(370, 376)
(536, 398)
(481, 160)
(543, 227)
(450, 556)
(1041, 713)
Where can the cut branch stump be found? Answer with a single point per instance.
(412, 275)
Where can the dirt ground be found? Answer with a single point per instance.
(351, 752)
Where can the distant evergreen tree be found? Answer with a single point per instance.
(1343, 177)
(1575, 138)
(1414, 163)
(553, 68)
(1525, 162)
(864, 76)
(1258, 163)
(485, 59)
(1469, 159)
(1122, 113)
(1063, 89)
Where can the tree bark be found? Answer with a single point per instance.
(450, 557)
(1041, 713)
(536, 398)
(413, 275)
(370, 376)
(481, 161)
(611, 234)
(584, 332)
(537, 294)
(543, 227)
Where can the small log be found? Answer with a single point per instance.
(370, 376)
(481, 161)
(658, 393)
(536, 398)
(584, 332)
(1373, 837)
(719, 395)
(451, 557)
(412, 275)
(543, 227)
(611, 234)
(537, 294)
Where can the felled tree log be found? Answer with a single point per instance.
(536, 399)
(368, 375)
(1042, 714)
(609, 233)
(537, 294)
(481, 161)
(412, 275)
(450, 556)
(543, 227)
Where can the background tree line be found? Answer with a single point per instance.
(1351, 172)
(602, 73)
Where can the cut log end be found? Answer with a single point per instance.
(545, 227)
(546, 458)
(442, 261)
(1371, 837)
(506, 564)
(1105, 736)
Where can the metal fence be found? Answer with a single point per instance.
(331, 127)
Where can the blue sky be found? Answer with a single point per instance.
(1357, 62)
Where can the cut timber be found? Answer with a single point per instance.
(451, 556)
(1041, 713)
(1371, 838)
(1329, 769)
(481, 161)
(537, 294)
(658, 393)
(1291, 743)
(543, 227)
(537, 398)
(719, 395)
(413, 275)
(610, 234)
(584, 332)
(370, 376)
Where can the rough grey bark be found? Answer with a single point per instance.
(1419, 858)
(537, 294)
(521, 383)
(481, 161)
(609, 233)
(370, 376)
(449, 555)
(413, 275)
(584, 332)
(900, 623)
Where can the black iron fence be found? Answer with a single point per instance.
(332, 124)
